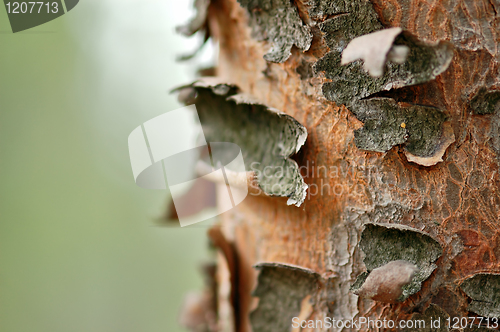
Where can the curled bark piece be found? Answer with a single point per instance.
(266, 136)
(195, 314)
(281, 290)
(192, 54)
(198, 22)
(227, 248)
(484, 290)
(206, 71)
(239, 180)
(385, 283)
(350, 83)
(384, 243)
(199, 197)
(447, 138)
(279, 23)
(375, 49)
(199, 309)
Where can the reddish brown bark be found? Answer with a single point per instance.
(456, 202)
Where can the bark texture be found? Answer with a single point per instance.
(363, 132)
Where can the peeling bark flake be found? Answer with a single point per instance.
(385, 243)
(197, 24)
(375, 49)
(281, 290)
(199, 309)
(228, 250)
(387, 123)
(484, 290)
(447, 137)
(385, 284)
(266, 136)
(278, 22)
(350, 83)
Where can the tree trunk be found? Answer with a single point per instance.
(400, 220)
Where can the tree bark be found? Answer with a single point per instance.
(365, 208)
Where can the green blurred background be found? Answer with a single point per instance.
(80, 249)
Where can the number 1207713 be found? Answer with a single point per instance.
(32, 7)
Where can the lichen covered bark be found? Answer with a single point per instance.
(387, 124)
(451, 80)
(281, 288)
(484, 290)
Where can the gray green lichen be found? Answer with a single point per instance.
(484, 290)
(280, 289)
(266, 136)
(345, 20)
(363, 9)
(279, 23)
(337, 36)
(486, 102)
(387, 123)
(383, 243)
